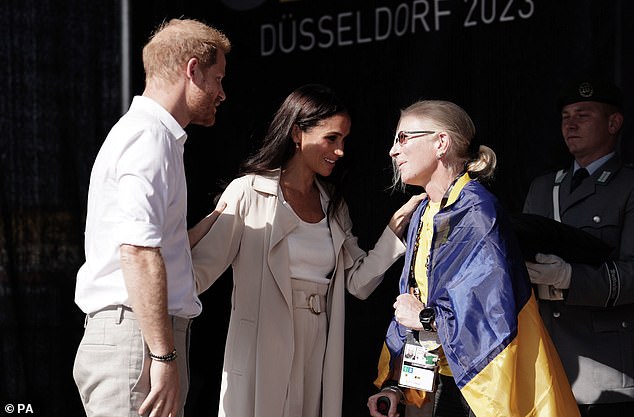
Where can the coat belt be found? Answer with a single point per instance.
(316, 303)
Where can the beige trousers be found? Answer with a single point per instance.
(311, 329)
(112, 366)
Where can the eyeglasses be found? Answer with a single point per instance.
(404, 135)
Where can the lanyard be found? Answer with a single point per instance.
(413, 285)
(559, 177)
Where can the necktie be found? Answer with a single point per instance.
(578, 177)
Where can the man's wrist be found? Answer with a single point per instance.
(168, 357)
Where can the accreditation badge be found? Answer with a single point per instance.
(420, 361)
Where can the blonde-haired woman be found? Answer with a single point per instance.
(464, 283)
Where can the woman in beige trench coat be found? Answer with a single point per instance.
(271, 354)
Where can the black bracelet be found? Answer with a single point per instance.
(164, 358)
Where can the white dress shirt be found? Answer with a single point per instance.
(138, 196)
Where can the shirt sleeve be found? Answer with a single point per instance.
(142, 176)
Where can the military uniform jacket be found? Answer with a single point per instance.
(593, 327)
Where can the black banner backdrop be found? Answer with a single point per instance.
(60, 95)
(502, 60)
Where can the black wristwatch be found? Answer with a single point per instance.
(427, 316)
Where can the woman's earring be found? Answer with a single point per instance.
(439, 155)
(296, 145)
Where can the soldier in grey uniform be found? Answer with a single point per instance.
(589, 309)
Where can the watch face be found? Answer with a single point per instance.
(427, 315)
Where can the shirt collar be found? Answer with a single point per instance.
(593, 166)
(458, 186)
(149, 105)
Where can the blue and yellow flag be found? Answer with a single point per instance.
(496, 345)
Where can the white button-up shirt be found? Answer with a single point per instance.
(138, 196)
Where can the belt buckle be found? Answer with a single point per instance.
(314, 304)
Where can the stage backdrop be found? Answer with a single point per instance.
(504, 61)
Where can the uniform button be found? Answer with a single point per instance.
(556, 314)
(625, 325)
(596, 219)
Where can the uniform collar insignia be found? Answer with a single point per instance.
(603, 178)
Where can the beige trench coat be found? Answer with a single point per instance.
(250, 236)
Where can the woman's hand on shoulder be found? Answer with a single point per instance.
(400, 220)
